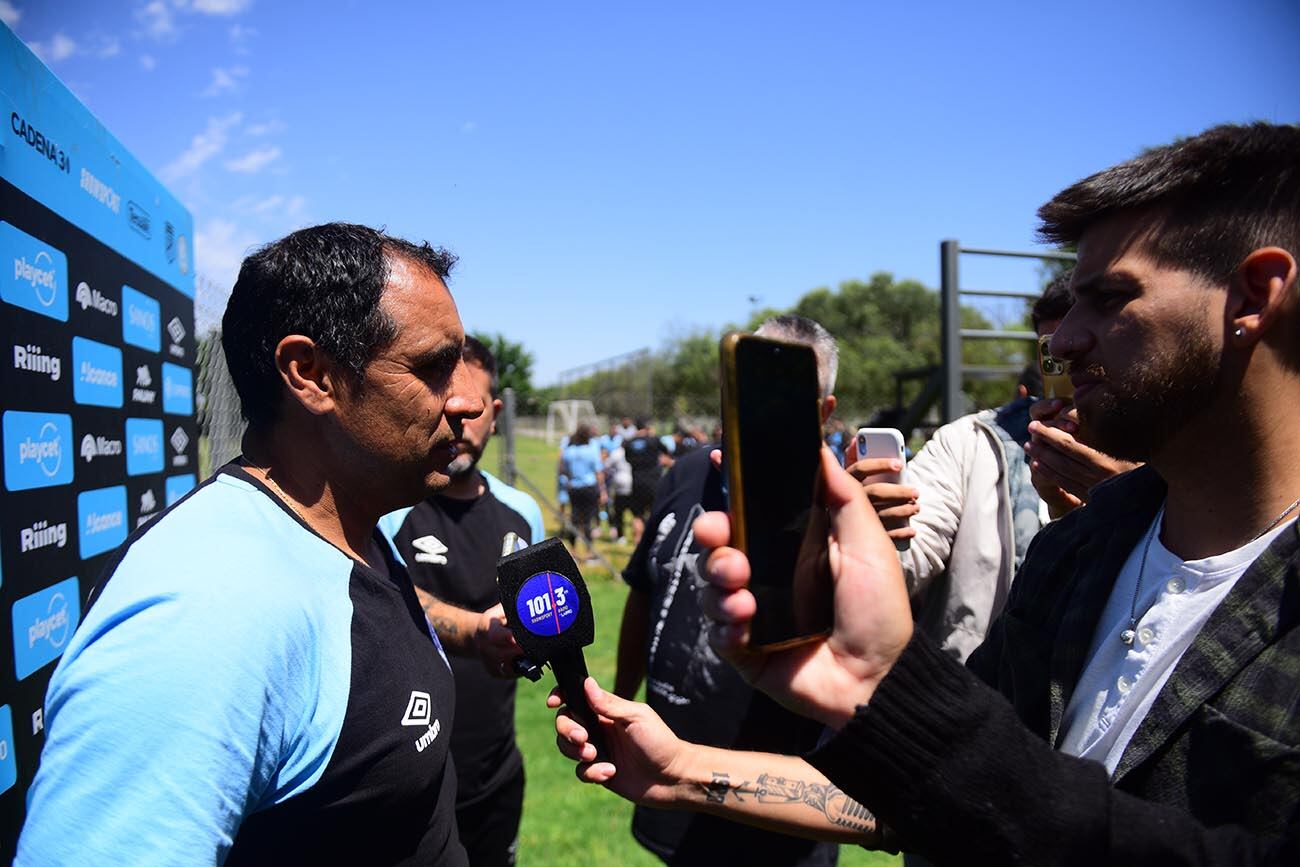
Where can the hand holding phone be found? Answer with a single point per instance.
(877, 457)
(772, 445)
(828, 679)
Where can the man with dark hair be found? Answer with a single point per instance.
(450, 543)
(1136, 702)
(254, 681)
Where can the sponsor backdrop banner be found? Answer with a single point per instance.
(96, 382)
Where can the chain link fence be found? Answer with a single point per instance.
(220, 423)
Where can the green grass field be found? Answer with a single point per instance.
(565, 821)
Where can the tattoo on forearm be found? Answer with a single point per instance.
(716, 791)
(445, 627)
(838, 808)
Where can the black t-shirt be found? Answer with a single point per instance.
(451, 548)
(699, 696)
(642, 454)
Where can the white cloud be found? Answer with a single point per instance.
(219, 249)
(270, 127)
(253, 161)
(203, 147)
(221, 7)
(225, 80)
(10, 14)
(106, 47)
(148, 62)
(60, 47)
(158, 19)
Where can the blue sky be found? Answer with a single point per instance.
(613, 174)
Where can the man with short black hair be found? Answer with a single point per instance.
(1136, 702)
(450, 543)
(254, 681)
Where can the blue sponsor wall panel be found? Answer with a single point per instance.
(96, 383)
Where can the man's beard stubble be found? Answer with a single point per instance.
(1137, 413)
(462, 465)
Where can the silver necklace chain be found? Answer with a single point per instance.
(1129, 634)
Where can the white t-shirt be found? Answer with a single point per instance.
(1120, 682)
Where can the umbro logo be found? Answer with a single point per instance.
(417, 709)
(430, 549)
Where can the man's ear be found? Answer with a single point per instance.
(308, 373)
(497, 403)
(1260, 293)
(828, 408)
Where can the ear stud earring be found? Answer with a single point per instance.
(1238, 333)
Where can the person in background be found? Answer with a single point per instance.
(644, 452)
(581, 464)
(664, 640)
(450, 543)
(618, 482)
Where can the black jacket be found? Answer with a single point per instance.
(960, 763)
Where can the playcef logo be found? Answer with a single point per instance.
(33, 275)
(39, 450)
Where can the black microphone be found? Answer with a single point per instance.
(548, 609)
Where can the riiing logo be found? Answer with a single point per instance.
(43, 534)
(34, 359)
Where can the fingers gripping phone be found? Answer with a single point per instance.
(1056, 372)
(882, 442)
(771, 434)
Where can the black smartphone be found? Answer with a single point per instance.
(771, 440)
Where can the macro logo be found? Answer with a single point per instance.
(141, 324)
(95, 446)
(101, 520)
(39, 450)
(97, 370)
(43, 623)
(144, 446)
(88, 298)
(33, 275)
(178, 390)
(178, 486)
